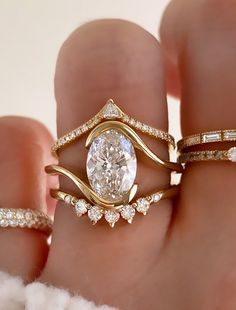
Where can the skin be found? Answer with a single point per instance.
(180, 256)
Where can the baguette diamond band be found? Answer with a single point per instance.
(207, 137)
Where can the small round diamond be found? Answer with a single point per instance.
(112, 217)
(217, 155)
(128, 212)
(4, 223)
(10, 215)
(28, 216)
(13, 222)
(67, 199)
(19, 215)
(81, 207)
(126, 118)
(77, 131)
(84, 128)
(156, 197)
(232, 154)
(95, 214)
(142, 205)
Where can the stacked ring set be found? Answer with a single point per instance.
(109, 192)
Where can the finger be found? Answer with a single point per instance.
(103, 59)
(198, 36)
(24, 151)
(207, 83)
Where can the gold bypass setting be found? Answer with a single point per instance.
(111, 165)
(25, 218)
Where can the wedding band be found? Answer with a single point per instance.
(110, 112)
(209, 155)
(227, 135)
(25, 218)
(112, 215)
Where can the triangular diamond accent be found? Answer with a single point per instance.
(111, 110)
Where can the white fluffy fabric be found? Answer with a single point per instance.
(37, 296)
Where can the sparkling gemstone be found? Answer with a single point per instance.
(28, 216)
(132, 122)
(230, 135)
(193, 140)
(112, 217)
(19, 215)
(111, 165)
(110, 110)
(126, 118)
(208, 155)
(156, 197)
(3, 223)
(13, 223)
(142, 205)
(217, 155)
(81, 207)
(84, 128)
(211, 137)
(77, 131)
(67, 199)
(95, 214)
(128, 212)
(232, 154)
(10, 215)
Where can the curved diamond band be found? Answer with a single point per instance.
(25, 218)
(227, 135)
(127, 211)
(216, 155)
(110, 112)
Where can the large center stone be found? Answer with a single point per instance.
(111, 165)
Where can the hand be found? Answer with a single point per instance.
(182, 254)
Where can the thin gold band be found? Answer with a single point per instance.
(209, 155)
(227, 135)
(110, 111)
(25, 218)
(127, 212)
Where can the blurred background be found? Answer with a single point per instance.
(31, 33)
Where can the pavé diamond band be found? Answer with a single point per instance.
(111, 161)
(127, 211)
(25, 218)
(228, 135)
(108, 112)
(208, 155)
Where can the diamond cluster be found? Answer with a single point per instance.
(25, 218)
(110, 111)
(127, 212)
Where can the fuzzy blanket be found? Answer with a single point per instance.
(14, 295)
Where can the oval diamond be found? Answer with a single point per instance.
(111, 165)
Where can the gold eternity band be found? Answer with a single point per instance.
(227, 135)
(209, 155)
(25, 218)
(110, 112)
(127, 211)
